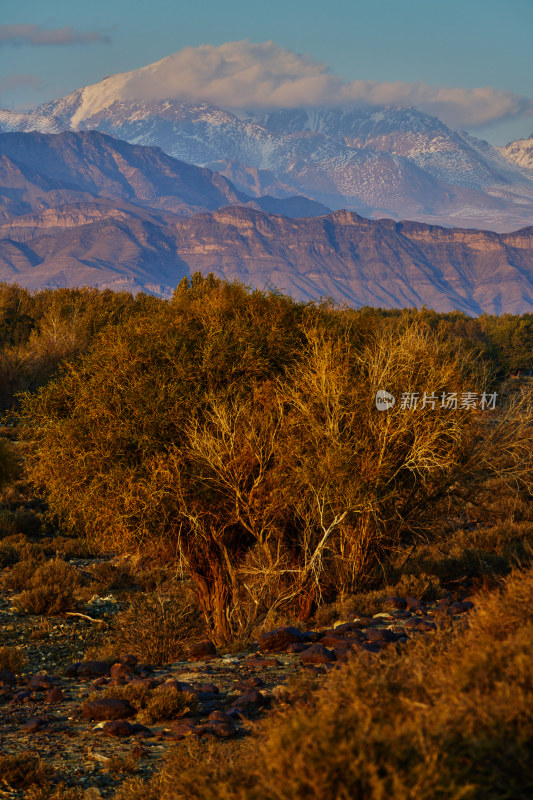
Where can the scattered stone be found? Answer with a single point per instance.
(35, 724)
(88, 669)
(381, 635)
(205, 688)
(202, 650)
(420, 625)
(461, 607)
(317, 654)
(399, 603)
(258, 661)
(297, 647)
(252, 698)
(107, 708)
(7, 678)
(54, 695)
(413, 604)
(118, 727)
(39, 683)
(128, 659)
(278, 640)
(121, 672)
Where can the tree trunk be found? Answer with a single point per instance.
(213, 587)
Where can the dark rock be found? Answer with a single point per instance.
(107, 708)
(277, 641)
(35, 724)
(7, 678)
(461, 607)
(223, 730)
(219, 716)
(251, 683)
(346, 627)
(121, 672)
(362, 622)
(54, 695)
(396, 602)
(381, 635)
(311, 636)
(40, 683)
(420, 625)
(329, 640)
(20, 697)
(317, 654)
(118, 727)
(141, 731)
(148, 683)
(252, 698)
(172, 684)
(128, 659)
(209, 688)
(258, 661)
(91, 669)
(371, 647)
(297, 647)
(413, 604)
(202, 650)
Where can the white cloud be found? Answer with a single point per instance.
(20, 81)
(37, 35)
(243, 75)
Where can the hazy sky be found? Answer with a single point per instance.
(48, 49)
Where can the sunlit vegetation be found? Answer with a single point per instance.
(235, 432)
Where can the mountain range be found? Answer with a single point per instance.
(83, 208)
(384, 162)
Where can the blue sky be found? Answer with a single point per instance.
(458, 44)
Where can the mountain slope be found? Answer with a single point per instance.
(354, 260)
(86, 165)
(398, 163)
(519, 152)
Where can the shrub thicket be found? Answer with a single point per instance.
(449, 716)
(237, 431)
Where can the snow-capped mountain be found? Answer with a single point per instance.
(390, 162)
(519, 152)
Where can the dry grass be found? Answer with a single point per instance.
(12, 659)
(50, 588)
(156, 628)
(154, 705)
(449, 717)
(24, 770)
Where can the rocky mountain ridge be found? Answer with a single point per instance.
(390, 162)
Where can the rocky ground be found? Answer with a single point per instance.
(95, 722)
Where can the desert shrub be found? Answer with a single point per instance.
(19, 576)
(9, 467)
(469, 554)
(9, 554)
(155, 705)
(50, 588)
(110, 577)
(58, 791)
(450, 717)
(68, 547)
(24, 770)
(157, 628)
(13, 659)
(256, 458)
